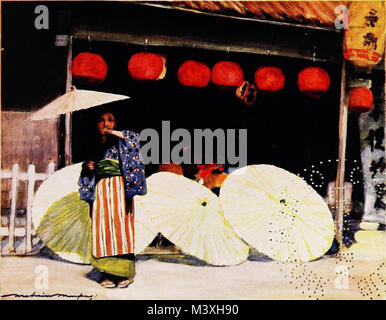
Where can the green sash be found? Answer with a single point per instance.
(107, 168)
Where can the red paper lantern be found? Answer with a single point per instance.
(227, 73)
(269, 79)
(194, 74)
(313, 81)
(89, 67)
(360, 100)
(147, 66)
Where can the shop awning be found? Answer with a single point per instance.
(316, 13)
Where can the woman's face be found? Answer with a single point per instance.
(106, 121)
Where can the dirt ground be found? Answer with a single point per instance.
(355, 273)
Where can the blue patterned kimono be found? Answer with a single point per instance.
(127, 152)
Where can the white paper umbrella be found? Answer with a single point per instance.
(63, 222)
(190, 215)
(75, 100)
(278, 213)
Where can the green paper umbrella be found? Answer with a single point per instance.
(62, 220)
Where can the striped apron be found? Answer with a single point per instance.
(112, 222)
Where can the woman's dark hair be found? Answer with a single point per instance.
(100, 111)
(95, 148)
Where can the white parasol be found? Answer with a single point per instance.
(278, 213)
(63, 221)
(190, 215)
(75, 100)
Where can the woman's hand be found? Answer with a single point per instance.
(90, 165)
(107, 131)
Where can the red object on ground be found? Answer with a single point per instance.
(89, 67)
(146, 66)
(194, 74)
(227, 73)
(313, 81)
(269, 79)
(360, 100)
(206, 169)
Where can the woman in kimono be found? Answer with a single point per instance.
(111, 176)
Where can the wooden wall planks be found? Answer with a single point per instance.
(26, 142)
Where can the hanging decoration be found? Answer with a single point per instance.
(360, 100)
(250, 97)
(242, 90)
(147, 66)
(227, 74)
(89, 68)
(364, 39)
(247, 93)
(269, 79)
(194, 74)
(313, 81)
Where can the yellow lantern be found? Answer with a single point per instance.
(364, 39)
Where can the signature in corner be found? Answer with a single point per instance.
(43, 295)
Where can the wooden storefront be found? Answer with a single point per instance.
(287, 129)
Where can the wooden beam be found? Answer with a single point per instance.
(163, 40)
(339, 183)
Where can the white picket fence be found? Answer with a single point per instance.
(27, 232)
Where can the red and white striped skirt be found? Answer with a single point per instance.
(112, 221)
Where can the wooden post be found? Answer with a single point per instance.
(67, 143)
(51, 168)
(339, 183)
(30, 195)
(68, 125)
(12, 216)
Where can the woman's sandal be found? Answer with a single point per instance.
(107, 283)
(125, 283)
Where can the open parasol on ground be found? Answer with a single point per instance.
(278, 213)
(75, 100)
(190, 215)
(63, 221)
